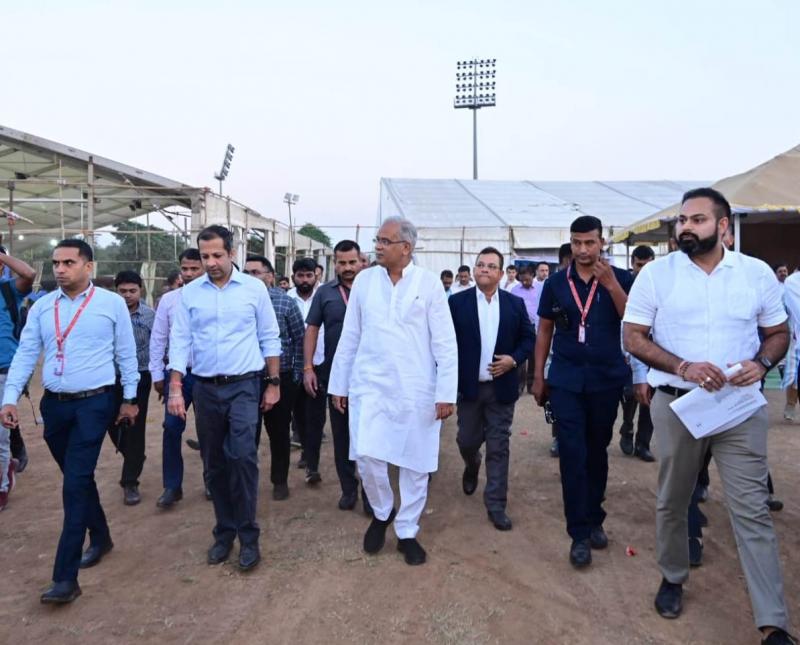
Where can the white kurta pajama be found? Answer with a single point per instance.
(397, 357)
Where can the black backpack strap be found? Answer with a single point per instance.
(11, 305)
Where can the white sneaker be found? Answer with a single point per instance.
(788, 413)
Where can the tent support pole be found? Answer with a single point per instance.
(737, 230)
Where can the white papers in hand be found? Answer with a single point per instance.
(706, 413)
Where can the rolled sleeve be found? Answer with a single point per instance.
(772, 311)
(269, 334)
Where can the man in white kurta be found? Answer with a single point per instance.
(396, 367)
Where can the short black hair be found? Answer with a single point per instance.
(128, 277)
(643, 252)
(304, 264)
(512, 266)
(215, 231)
(547, 264)
(260, 258)
(463, 268)
(345, 246)
(526, 270)
(283, 278)
(189, 254)
(490, 249)
(84, 250)
(722, 207)
(586, 224)
(447, 273)
(564, 251)
(172, 277)
(779, 265)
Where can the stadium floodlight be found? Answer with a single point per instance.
(475, 89)
(226, 166)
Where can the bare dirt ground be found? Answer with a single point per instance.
(315, 585)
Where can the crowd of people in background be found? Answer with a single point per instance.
(384, 353)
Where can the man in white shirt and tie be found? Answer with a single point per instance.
(396, 369)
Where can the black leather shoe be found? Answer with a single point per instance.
(695, 552)
(643, 453)
(501, 521)
(469, 479)
(169, 497)
(580, 554)
(94, 554)
(61, 593)
(554, 448)
(249, 556)
(375, 537)
(774, 505)
(131, 496)
(280, 492)
(313, 477)
(219, 552)
(779, 637)
(209, 496)
(598, 538)
(194, 444)
(669, 599)
(412, 550)
(626, 444)
(348, 501)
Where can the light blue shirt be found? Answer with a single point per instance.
(102, 336)
(227, 331)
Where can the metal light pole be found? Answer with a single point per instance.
(474, 90)
(290, 200)
(226, 166)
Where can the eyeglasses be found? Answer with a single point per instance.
(491, 267)
(385, 241)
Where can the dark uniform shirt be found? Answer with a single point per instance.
(328, 309)
(290, 324)
(597, 364)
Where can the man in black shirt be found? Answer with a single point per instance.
(327, 310)
(581, 310)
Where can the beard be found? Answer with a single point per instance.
(693, 245)
(304, 288)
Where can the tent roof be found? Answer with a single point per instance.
(474, 203)
(770, 190)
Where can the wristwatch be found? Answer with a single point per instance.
(765, 362)
(133, 401)
(273, 380)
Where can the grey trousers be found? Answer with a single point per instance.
(486, 420)
(227, 417)
(741, 457)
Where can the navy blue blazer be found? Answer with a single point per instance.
(515, 337)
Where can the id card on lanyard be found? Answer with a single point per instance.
(62, 338)
(583, 309)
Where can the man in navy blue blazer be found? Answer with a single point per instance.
(494, 334)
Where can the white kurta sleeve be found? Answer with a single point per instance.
(443, 346)
(339, 382)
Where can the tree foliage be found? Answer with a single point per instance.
(315, 233)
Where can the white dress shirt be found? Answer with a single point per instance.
(705, 317)
(228, 331)
(489, 321)
(458, 287)
(305, 307)
(159, 337)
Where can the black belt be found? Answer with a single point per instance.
(74, 396)
(673, 391)
(224, 380)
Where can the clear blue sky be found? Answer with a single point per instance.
(324, 98)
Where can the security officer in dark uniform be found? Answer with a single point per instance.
(580, 311)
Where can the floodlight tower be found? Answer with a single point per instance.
(226, 166)
(290, 200)
(474, 90)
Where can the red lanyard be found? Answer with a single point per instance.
(583, 309)
(61, 338)
(344, 295)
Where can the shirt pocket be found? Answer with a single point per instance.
(741, 303)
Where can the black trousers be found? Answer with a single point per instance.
(644, 429)
(585, 427)
(314, 408)
(277, 422)
(228, 417)
(129, 440)
(485, 420)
